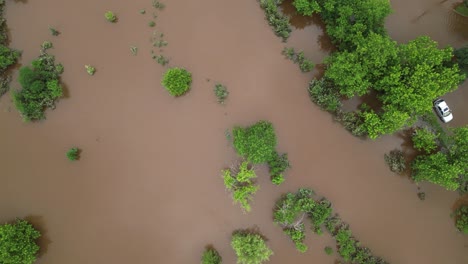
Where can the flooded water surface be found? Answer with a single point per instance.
(148, 188)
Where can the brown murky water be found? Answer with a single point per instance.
(148, 190)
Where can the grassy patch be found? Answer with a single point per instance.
(462, 10)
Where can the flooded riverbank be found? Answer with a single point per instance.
(148, 188)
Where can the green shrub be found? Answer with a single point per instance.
(142, 11)
(306, 7)
(211, 256)
(8, 57)
(110, 16)
(297, 235)
(250, 248)
(151, 24)
(18, 243)
(395, 161)
(90, 69)
(352, 121)
(40, 87)
(241, 183)
(324, 95)
(53, 31)
(461, 56)
(256, 143)
(424, 140)
(177, 81)
(328, 250)
(221, 93)
(277, 165)
(73, 154)
(134, 50)
(461, 219)
(158, 5)
(278, 21)
(299, 58)
(319, 213)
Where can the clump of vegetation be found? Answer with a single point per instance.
(461, 56)
(110, 16)
(73, 154)
(424, 140)
(277, 165)
(40, 87)
(221, 93)
(320, 212)
(328, 250)
(54, 31)
(462, 9)
(158, 5)
(422, 196)
(160, 59)
(306, 7)
(256, 143)
(395, 161)
(461, 219)
(177, 81)
(211, 256)
(241, 182)
(90, 69)
(290, 212)
(142, 11)
(250, 248)
(278, 21)
(134, 50)
(352, 121)
(151, 24)
(324, 95)
(18, 243)
(46, 45)
(299, 58)
(8, 57)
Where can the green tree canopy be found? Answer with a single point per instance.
(18, 243)
(250, 248)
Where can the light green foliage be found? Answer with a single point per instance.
(424, 140)
(177, 81)
(54, 31)
(436, 168)
(110, 16)
(47, 45)
(395, 161)
(461, 219)
(134, 50)
(352, 121)
(278, 21)
(324, 95)
(142, 11)
(18, 243)
(151, 24)
(328, 250)
(278, 164)
(241, 184)
(8, 57)
(256, 143)
(90, 69)
(346, 244)
(73, 154)
(319, 213)
(40, 87)
(221, 93)
(211, 256)
(297, 235)
(250, 248)
(306, 7)
(299, 58)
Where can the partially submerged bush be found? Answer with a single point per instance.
(352, 121)
(241, 183)
(324, 95)
(328, 250)
(395, 161)
(306, 7)
(211, 256)
(461, 219)
(278, 21)
(73, 154)
(177, 81)
(250, 248)
(256, 143)
(299, 58)
(90, 69)
(277, 165)
(424, 140)
(40, 87)
(54, 31)
(221, 93)
(18, 243)
(319, 213)
(110, 16)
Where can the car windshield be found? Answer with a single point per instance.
(446, 112)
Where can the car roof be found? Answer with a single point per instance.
(442, 104)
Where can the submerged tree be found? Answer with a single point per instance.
(241, 183)
(250, 248)
(18, 243)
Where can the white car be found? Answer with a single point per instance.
(442, 110)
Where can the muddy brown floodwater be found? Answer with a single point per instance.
(148, 189)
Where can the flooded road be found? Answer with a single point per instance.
(148, 189)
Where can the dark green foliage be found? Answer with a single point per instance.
(151, 24)
(352, 121)
(177, 81)
(18, 243)
(324, 95)
(250, 248)
(424, 140)
(299, 58)
(256, 143)
(346, 244)
(306, 7)
(211, 256)
(277, 165)
(328, 250)
(395, 161)
(241, 182)
(73, 154)
(54, 31)
(461, 219)
(110, 16)
(278, 21)
(8, 57)
(40, 87)
(319, 213)
(422, 196)
(461, 56)
(221, 93)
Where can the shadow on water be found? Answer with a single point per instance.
(39, 224)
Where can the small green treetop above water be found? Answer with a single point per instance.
(306, 7)
(110, 16)
(177, 81)
(18, 243)
(250, 248)
(211, 256)
(90, 69)
(241, 184)
(8, 57)
(461, 219)
(256, 143)
(221, 93)
(73, 154)
(424, 139)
